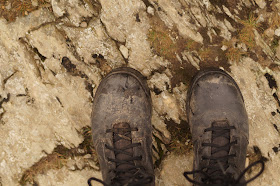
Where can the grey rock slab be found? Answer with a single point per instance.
(278, 51)
(119, 17)
(261, 3)
(75, 10)
(172, 169)
(171, 15)
(259, 104)
(166, 103)
(64, 177)
(159, 81)
(94, 40)
(34, 121)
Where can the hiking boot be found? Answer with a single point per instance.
(220, 131)
(121, 129)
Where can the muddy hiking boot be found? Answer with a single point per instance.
(121, 129)
(220, 130)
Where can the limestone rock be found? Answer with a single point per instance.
(278, 52)
(94, 40)
(124, 51)
(65, 177)
(119, 17)
(165, 103)
(173, 167)
(277, 32)
(77, 10)
(159, 81)
(150, 10)
(83, 24)
(269, 32)
(261, 3)
(259, 106)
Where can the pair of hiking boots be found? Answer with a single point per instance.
(122, 130)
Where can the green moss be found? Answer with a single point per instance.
(274, 44)
(159, 151)
(235, 54)
(18, 8)
(180, 137)
(247, 34)
(162, 44)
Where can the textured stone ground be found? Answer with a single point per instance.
(53, 55)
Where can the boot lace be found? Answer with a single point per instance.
(131, 174)
(228, 179)
(220, 146)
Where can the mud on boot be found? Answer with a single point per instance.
(220, 130)
(121, 129)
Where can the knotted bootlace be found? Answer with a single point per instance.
(214, 173)
(227, 179)
(126, 172)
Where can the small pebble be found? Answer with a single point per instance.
(34, 3)
(269, 32)
(217, 58)
(277, 32)
(124, 51)
(87, 156)
(224, 47)
(150, 10)
(83, 24)
(8, 7)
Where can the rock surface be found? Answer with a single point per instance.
(54, 53)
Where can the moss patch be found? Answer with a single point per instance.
(59, 158)
(274, 43)
(246, 34)
(162, 44)
(235, 54)
(182, 52)
(168, 44)
(11, 9)
(180, 137)
(255, 154)
(159, 150)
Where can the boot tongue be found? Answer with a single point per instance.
(121, 139)
(220, 140)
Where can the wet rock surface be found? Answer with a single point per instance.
(53, 55)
